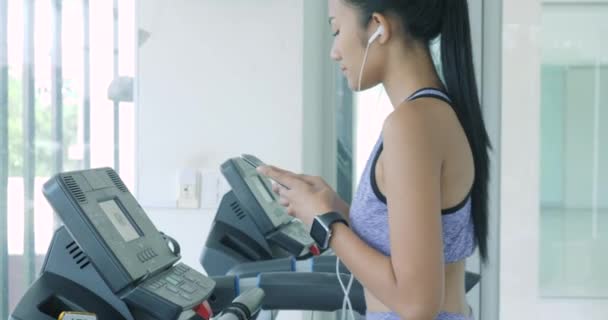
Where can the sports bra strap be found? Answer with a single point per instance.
(430, 93)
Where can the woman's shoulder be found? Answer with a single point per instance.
(413, 121)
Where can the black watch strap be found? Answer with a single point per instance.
(332, 217)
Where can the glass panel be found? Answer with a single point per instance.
(102, 109)
(574, 152)
(73, 93)
(128, 50)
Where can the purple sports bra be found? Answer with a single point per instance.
(369, 212)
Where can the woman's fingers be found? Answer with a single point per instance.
(291, 211)
(312, 180)
(286, 178)
(284, 202)
(276, 188)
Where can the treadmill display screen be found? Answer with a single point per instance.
(119, 219)
(263, 189)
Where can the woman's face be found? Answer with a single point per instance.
(348, 48)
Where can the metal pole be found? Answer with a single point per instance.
(595, 173)
(492, 103)
(56, 92)
(86, 105)
(29, 152)
(116, 103)
(3, 159)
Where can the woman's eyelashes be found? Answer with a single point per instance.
(336, 33)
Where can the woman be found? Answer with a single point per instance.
(421, 206)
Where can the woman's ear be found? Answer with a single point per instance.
(380, 28)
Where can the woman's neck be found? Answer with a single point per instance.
(407, 71)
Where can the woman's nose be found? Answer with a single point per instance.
(334, 53)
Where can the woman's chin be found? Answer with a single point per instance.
(351, 84)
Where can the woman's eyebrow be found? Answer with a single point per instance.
(331, 19)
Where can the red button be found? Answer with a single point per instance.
(204, 310)
(314, 250)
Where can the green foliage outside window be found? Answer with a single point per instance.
(43, 137)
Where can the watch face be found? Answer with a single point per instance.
(319, 233)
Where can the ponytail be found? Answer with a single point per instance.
(459, 76)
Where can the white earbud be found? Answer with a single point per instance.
(373, 38)
(376, 34)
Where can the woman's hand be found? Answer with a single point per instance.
(304, 196)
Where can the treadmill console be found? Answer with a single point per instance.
(130, 254)
(255, 195)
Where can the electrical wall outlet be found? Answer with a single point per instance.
(189, 195)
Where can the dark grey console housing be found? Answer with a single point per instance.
(109, 225)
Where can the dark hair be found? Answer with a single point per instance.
(425, 20)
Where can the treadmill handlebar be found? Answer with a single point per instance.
(245, 306)
(315, 291)
(321, 264)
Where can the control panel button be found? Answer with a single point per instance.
(188, 288)
(173, 280)
(180, 270)
(186, 296)
(146, 255)
(203, 284)
(190, 277)
(172, 289)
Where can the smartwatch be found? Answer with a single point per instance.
(321, 228)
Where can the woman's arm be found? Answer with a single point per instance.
(343, 208)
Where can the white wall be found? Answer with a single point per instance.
(221, 78)
(216, 79)
(520, 149)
